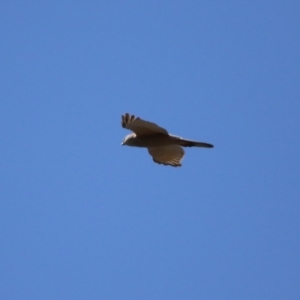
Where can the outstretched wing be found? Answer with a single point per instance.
(168, 155)
(141, 127)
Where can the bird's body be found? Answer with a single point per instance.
(159, 140)
(164, 148)
(151, 140)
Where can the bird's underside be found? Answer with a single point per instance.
(163, 147)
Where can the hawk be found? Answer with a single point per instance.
(164, 148)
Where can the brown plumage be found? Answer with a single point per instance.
(164, 148)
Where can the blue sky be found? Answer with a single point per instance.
(82, 217)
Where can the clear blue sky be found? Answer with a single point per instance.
(82, 217)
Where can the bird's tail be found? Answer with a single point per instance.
(188, 143)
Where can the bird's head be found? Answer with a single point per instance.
(128, 140)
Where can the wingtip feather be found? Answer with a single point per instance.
(127, 118)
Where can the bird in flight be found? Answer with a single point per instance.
(164, 148)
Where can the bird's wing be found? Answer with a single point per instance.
(168, 155)
(141, 127)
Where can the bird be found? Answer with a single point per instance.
(165, 148)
